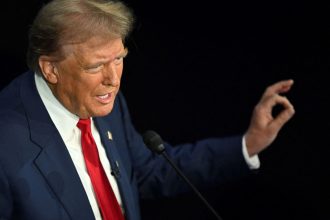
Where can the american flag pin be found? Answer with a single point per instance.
(109, 135)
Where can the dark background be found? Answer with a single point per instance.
(197, 68)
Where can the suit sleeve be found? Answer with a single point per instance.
(5, 197)
(206, 163)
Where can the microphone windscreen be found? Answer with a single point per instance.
(153, 141)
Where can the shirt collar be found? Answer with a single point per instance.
(56, 110)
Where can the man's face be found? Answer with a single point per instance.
(88, 79)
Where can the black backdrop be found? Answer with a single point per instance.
(197, 68)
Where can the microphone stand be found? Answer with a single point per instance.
(155, 143)
(165, 155)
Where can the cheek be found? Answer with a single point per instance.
(76, 89)
(88, 87)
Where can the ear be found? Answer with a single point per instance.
(48, 69)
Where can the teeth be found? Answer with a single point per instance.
(104, 96)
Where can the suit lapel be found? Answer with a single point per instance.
(117, 165)
(54, 161)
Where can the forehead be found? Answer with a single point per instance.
(96, 47)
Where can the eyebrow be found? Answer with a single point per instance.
(91, 65)
(120, 54)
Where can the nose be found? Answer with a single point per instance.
(111, 75)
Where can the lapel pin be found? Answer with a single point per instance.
(109, 135)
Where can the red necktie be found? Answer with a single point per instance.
(105, 196)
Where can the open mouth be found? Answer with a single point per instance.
(104, 99)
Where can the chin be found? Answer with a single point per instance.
(102, 113)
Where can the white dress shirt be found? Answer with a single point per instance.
(253, 162)
(71, 136)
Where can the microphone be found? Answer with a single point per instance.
(155, 143)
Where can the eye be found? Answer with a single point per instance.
(95, 68)
(118, 60)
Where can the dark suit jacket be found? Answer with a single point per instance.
(38, 180)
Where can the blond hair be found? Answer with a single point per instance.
(63, 22)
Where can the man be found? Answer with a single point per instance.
(52, 116)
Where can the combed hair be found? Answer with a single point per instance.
(62, 22)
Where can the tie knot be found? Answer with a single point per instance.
(84, 124)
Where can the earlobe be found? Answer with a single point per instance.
(48, 69)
